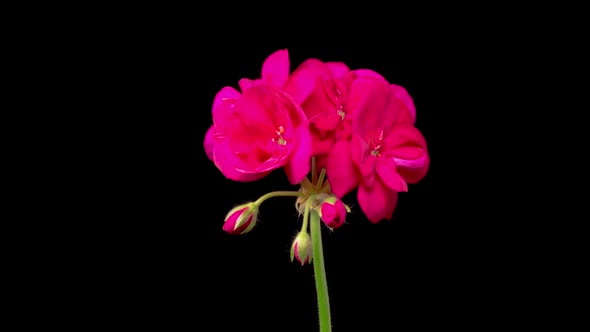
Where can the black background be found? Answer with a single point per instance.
(163, 260)
(130, 227)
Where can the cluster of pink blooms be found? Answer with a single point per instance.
(352, 122)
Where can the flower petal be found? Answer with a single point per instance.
(363, 159)
(209, 143)
(377, 202)
(344, 130)
(321, 141)
(275, 69)
(230, 165)
(370, 96)
(358, 149)
(329, 121)
(305, 79)
(406, 145)
(299, 162)
(404, 104)
(413, 170)
(321, 103)
(341, 170)
(387, 171)
(225, 105)
(367, 169)
(399, 138)
(223, 95)
(259, 109)
(368, 73)
(245, 84)
(339, 70)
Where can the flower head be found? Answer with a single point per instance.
(241, 219)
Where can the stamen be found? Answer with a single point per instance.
(280, 140)
(341, 113)
(375, 151)
(375, 145)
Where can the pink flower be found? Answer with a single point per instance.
(241, 219)
(336, 95)
(384, 154)
(332, 103)
(301, 248)
(343, 174)
(261, 129)
(387, 153)
(333, 212)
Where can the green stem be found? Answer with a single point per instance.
(306, 216)
(277, 194)
(321, 179)
(321, 282)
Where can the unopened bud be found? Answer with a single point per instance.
(301, 248)
(333, 212)
(241, 219)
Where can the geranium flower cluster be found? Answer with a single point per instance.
(332, 129)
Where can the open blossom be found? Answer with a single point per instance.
(343, 173)
(336, 95)
(260, 129)
(388, 154)
(332, 103)
(384, 154)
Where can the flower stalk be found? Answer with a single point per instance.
(278, 194)
(319, 270)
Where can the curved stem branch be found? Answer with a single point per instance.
(278, 194)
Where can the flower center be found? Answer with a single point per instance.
(280, 139)
(341, 112)
(375, 151)
(375, 143)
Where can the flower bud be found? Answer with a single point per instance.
(301, 248)
(241, 219)
(333, 212)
